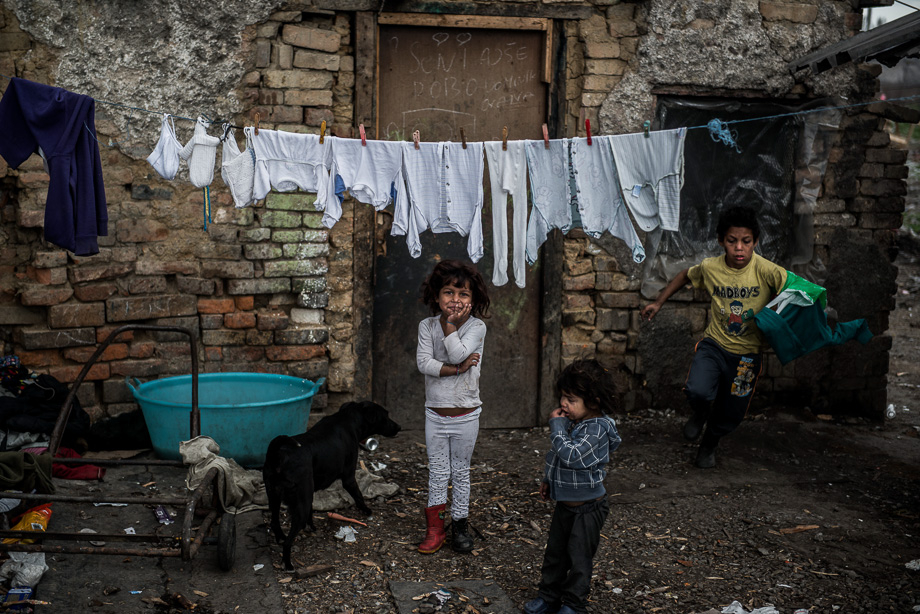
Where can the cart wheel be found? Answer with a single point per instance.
(226, 541)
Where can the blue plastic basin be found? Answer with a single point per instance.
(242, 412)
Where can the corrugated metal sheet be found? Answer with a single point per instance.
(887, 43)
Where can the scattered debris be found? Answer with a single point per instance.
(799, 529)
(737, 608)
(313, 570)
(346, 533)
(913, 565)
(163, 516)
(93, 542)
(335, 516)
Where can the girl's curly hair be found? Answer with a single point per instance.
(590, 381)
(459, 274)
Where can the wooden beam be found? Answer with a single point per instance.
(365, 71)
(464, 21)
(363, 263)
(499, 9)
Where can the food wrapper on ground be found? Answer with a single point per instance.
(35, 519)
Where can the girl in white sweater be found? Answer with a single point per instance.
(449, 355)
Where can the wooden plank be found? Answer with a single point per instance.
(464, 21)
(499, 9)
(363, 264)
(365, 70)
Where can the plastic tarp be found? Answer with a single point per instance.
(778, 172)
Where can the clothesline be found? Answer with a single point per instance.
(717, 130)
(439, 186)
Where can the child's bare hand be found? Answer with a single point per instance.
(544, 491)
(558, 413)
(459, 313)
(471, 361)
(650, 310)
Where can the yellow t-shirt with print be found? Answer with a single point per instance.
(737, 294)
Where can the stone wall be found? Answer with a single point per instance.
(266, 288)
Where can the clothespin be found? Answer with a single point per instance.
(363, 137)
(415, 138)
(463, 138)
(322, 132)
(645, 126)
(258, 117)
(505, 138)
(588, 130)
(545, 136)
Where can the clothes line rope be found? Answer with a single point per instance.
(715, 129)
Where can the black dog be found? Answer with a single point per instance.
(297, 466)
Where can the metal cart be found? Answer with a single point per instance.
(202, 504)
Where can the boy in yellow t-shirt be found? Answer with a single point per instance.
(727, 361)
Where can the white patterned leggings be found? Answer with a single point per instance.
(450, 443)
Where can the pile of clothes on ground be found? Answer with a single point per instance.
(30, 405)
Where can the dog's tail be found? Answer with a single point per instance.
(278, 449)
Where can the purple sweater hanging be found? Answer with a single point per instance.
(62, 123)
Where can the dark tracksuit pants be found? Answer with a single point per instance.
(720, 386)
(574, 535)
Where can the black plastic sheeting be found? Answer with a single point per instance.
(775, 173)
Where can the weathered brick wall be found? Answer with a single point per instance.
(266, 288)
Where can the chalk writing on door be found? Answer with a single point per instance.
(449, 79)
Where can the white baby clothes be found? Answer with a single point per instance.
(444, 187)
(598, 196)
(651, 170)
(237, 169)
(165, 156)
(550, 192)
(287, 161)
(201, 154)
(371, 173)
(508, 177)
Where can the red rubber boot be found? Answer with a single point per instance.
(435, 535)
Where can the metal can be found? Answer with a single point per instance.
(370, 444)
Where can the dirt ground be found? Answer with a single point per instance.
(801, 512)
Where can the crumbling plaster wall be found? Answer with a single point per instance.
(180, 57)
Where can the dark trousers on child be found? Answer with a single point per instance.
(720, 386)
(574, 535)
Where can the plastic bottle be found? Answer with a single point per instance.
(890, 412)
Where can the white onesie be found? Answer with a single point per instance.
(201, 154)
(444, 185)
(549, 191)
(165, 156)
(651, 172)
(598, 196)
(237, 169)
(508, 177)
(287, 161)
(369, 172)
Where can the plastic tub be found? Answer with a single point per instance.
(242, 412)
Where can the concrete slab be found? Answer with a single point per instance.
(484, 595)
(130, 584)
